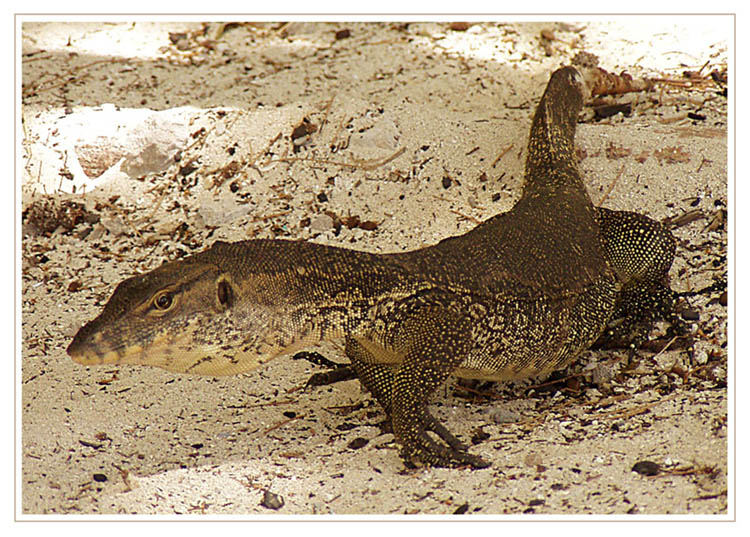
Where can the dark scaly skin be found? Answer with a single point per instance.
(521, 294)
(641, 251)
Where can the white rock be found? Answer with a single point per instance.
(104, 143)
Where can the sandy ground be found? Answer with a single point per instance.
(381, 137)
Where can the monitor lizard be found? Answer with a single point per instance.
(521, 294)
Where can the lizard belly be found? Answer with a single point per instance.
(527, 339)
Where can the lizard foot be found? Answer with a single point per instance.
(420, 449)
(426, 452)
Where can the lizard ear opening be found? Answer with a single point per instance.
(224, 292)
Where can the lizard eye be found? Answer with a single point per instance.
(163, 301)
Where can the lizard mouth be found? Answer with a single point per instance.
(88, 352)
(164, 350)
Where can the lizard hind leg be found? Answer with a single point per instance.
(636, 311)
(641, 251)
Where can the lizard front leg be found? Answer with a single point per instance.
(378, 379)
(433, 341)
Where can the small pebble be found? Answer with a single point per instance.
(646, 468)
(505, 416)
(690, 315)
(271, 500)
(358, 443)
(461, 509)
(701, 350)
(321, 222)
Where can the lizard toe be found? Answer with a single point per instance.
(424, 451)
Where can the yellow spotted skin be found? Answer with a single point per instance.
(641, 251)
(521, 294)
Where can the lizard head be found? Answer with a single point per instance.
(170, 317)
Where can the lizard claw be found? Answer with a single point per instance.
(420, 449)
(429, 453)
